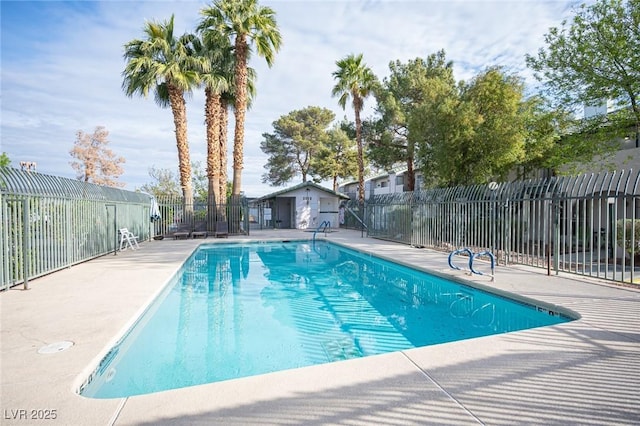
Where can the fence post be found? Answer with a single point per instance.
(25, 242)
(556, 234)
(115, 227)
(362, 212)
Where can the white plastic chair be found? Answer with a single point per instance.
(128, 239)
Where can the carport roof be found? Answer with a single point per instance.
(301, 186)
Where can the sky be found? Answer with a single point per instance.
(62, 63)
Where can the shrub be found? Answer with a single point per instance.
(629, 230)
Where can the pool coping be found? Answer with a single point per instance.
(497, 379)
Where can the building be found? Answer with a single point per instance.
(391, 182)
(304, 206)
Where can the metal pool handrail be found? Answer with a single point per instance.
(326, 225)
(472, 257)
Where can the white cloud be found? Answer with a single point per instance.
(53, 87)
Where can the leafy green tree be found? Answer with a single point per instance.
(355, 80)
(471, 134)
(543, 126)
(595, 58)
(381, 148)
(443, 122)
(167, 66)
(200, 181)
(166, 184)
(293, 147)
(4, 160)
(409, 85)
(498, 142)
(338, 158)
(551, 142)
(281, 162)
(246, 22)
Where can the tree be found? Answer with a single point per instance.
(247, 23)
(218, 51)
(227, 100)
(497, 145)
(338, 159)
(356, 81)
(166, 184)
(408, 86)
(551, 143)
(200, 181)
(595, 58)
(96, 163)
(167, 66)
(4, 160)
(443, 122)
(295, 144)
(473, 132)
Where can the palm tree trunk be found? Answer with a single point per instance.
(240, 111)
(360, 156)
(212, 118)
(179, 109)
(224, 123)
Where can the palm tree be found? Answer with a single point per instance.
(218, 51)
(355, 80)
(167, 66)
(247, 23)
(227, 101)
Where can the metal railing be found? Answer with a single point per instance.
(588, 225)
(48, 223)
(174, 215)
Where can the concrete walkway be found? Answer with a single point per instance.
(582, 372)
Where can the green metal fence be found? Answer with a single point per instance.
(588, 225)
(175, 215)
(48, 223)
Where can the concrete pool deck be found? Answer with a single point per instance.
(582, 372)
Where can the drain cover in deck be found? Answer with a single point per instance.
(55, 347)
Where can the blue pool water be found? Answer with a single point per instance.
(242, 309)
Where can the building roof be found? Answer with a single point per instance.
(384, 174)
(301, 186)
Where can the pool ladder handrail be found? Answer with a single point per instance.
(326, 225)
(472, 257)
(364, 225)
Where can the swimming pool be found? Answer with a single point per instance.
(242, 309)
